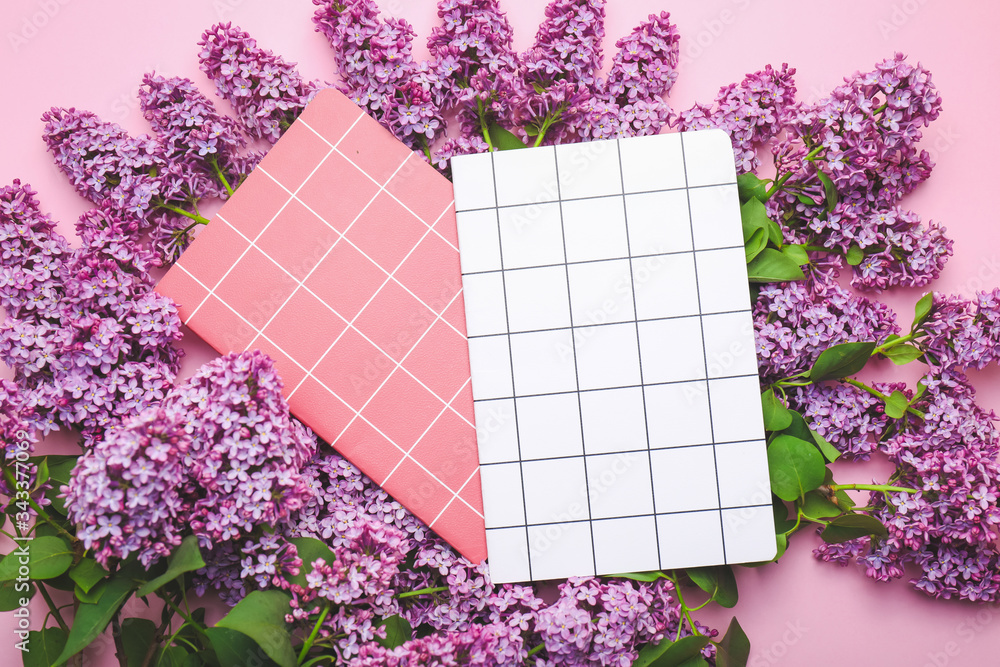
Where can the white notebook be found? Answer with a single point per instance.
(613, 363)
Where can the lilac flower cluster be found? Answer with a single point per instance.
(568, 45)
(550, 93)
(495, 645)
(199, 142)
(752, 112)
(949, 527)
(629, 102)
(15, 415)
(89, 340)
(202, 158)
(375, 62)
(103, 162)
(553, 90)
(862, 140)
(266, 92)
(381, 552)
(217, 458)
(960, 333)
(850, 418)
(796, 321)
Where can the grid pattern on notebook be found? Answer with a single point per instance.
(338, 257)
(614, 372)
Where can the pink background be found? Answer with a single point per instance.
(92, 55)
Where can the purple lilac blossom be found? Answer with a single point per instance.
(104, 349)
(752, 112)
(558, 72)
(374, 59)
(796, 321)
(104, 163)
(949, 527)
(32, 256)
(266, 92)
(380, 550)
(217, 458)
(629, 102)
(961, 333)
(863, 140)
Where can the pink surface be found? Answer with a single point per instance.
(798, 612)
(338, 258)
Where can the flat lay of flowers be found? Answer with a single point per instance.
(195, 521)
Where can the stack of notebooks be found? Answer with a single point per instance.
(609, 421)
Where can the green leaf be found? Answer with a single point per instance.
(776, 415)
(172, 656)
(45, 645)
(185, 558)
(841, 361)
(829, 190)
(896, 404)
(782, 541)
(733, 650)
(796, 253)
(755, 244)
(751, 187)
(60, 469)
(397, 631)
(91, 619)
(310, 550)
(93, 595)
(504, 140)
(671, 654)
(774, 233)
(817, 506)
(640, 576)
(922, 310)
(903, 353)
(830, 453)
(235, 649)
(806, 199)
(782, 524)
(718, 582)
(697, 661)
(796, 466)
(855, 255)
(772, 266)
(851, 526)
(10, 597)
(137, 636)
(87, 573)
(48, 557)
(261, 615)
(42, 475)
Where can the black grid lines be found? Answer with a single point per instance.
(609, 329)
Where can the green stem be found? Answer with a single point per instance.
(685, 610)
(312, 635)
(777, 186)
(52, 606)
(187, 214)
(877, 394)
(219, 175)
(482, 124)
(798, 522)
(422, 591)
(893, 343)
(872, 487)
(190, 621)
(536, 650)
(39, 512)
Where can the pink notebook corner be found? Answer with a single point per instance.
(338, 257)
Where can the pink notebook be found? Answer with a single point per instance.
(338, 257)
